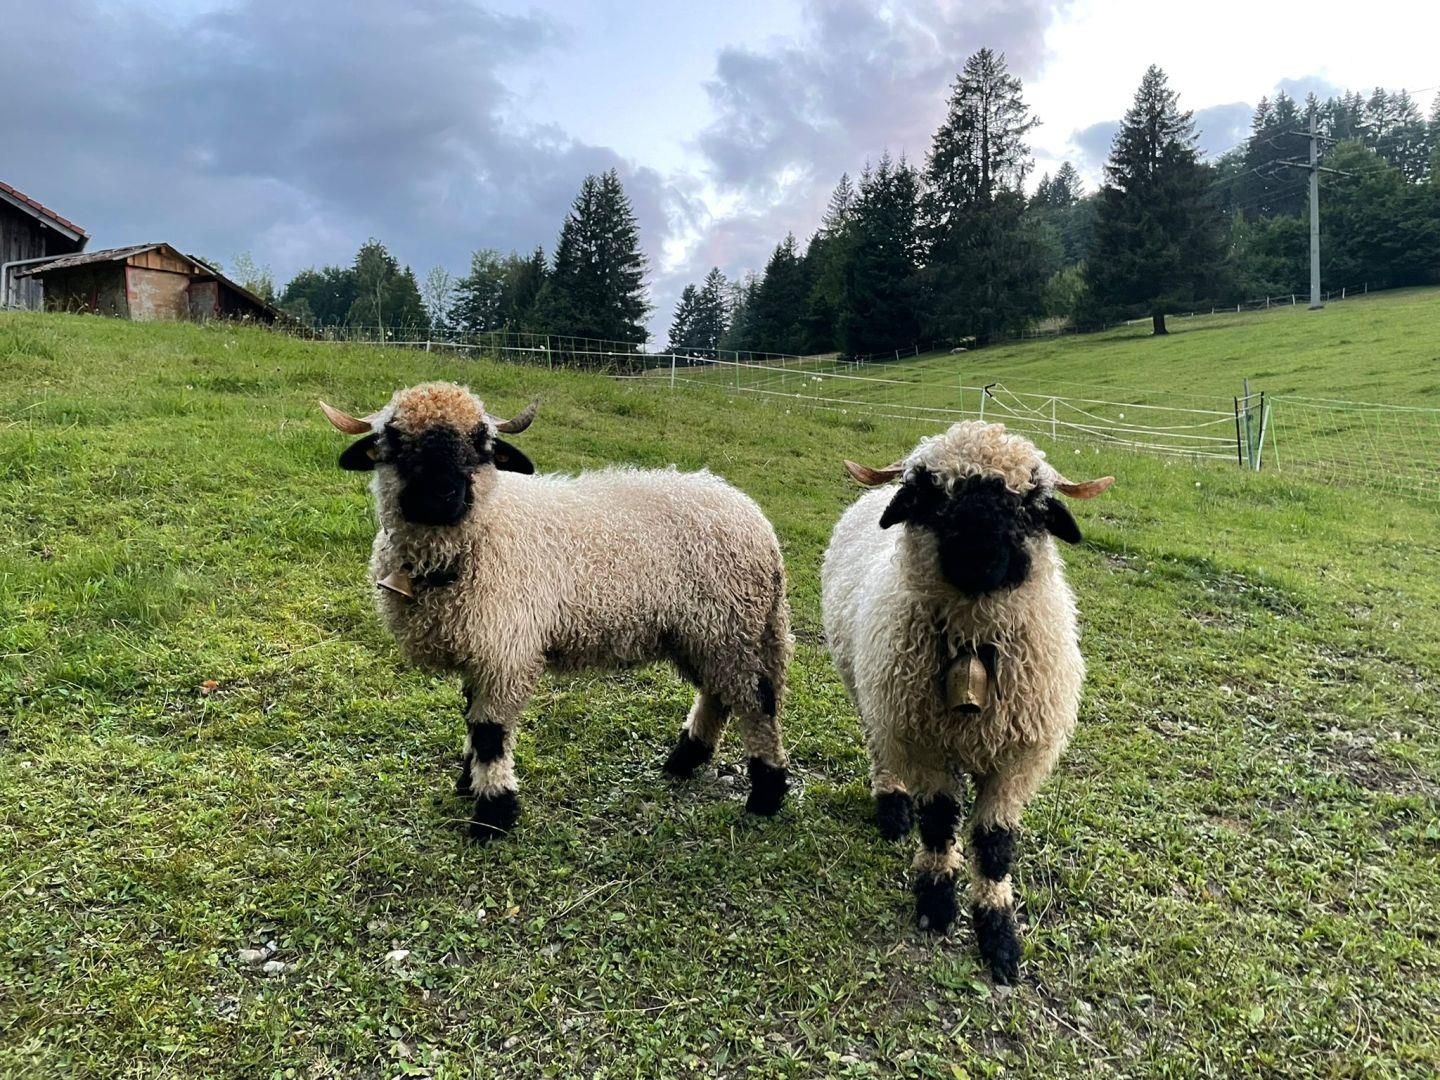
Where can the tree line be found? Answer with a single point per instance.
(954, 250)
(592, 287)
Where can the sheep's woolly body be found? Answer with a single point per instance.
(895, 625)
(614, 567)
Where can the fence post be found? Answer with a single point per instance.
(1342, 292)
(672, 369)
(1239, 456)
(1264, 423)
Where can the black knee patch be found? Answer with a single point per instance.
(689, 754)
(938, 818)
(462, 782)
(994, 850)
(894, 813)
(998, 941)
(935, 908)
(494, 816)
(766, 693)
(487, 741)
(768, 784)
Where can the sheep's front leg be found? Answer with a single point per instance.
(490, 752)
(1000, 801)
(938, 860)
(894, 809)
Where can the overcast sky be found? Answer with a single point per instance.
(295, 130)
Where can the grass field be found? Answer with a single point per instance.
(1126, 389)
(1236, 870)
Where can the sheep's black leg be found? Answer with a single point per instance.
(769, 764)
(699, 737)
(1000, 801)
(490, 749)
(936, 862)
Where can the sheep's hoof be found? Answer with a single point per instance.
(894, 813)
(995, 934)
(689, 754)
(495, 815)
(935, 903)
(768, 784)
(463, 787)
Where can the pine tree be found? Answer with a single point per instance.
(878, 308)
(712, 316)
(596, 287)
(780, 301)
(986, 260)
(826, 257)
(1158, 239)
(740, 334)
(682, 327)
(980, 147)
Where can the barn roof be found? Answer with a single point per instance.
(121, 254)
(23, 202)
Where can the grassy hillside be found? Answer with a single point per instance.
(1380, 348)
(1235, 870)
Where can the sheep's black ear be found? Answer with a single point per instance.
(510, 459)
(1060, 522)
(360, 456)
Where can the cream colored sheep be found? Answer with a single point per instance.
(955, 637)
(487, 570)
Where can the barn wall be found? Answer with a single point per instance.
(204, 300)
(155, 295)
(99, 289)
(21, 237)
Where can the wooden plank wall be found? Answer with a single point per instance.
(21, 237)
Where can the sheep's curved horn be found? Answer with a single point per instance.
(519, 422)
(874, 477)
(1086, 490)
(343, 421)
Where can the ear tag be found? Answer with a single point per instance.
(398, 582)
(969, 684)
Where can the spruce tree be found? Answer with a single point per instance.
(878, 310)
(596, 287)
(712, 317)
(1158, 239)
(986, 259)
(826, 257)
(780, 301)
(683, 326)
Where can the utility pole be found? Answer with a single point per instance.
(1314, 216)
(1314, 168)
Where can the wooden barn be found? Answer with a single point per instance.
(146, 282)
(28, 232)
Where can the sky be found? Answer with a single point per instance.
(294, 131)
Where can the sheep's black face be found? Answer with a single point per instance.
(981, 529)
(435, 467)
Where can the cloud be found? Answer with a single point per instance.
(1092, 145)
(296, 130)
(860, 79)
(1318, 85)
(1221, 127)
